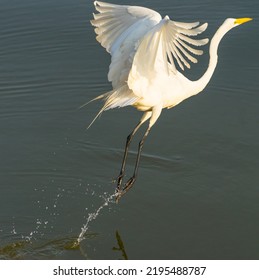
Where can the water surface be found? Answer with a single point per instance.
(197, 192)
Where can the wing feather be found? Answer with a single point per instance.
(192, 32)
(119, 30)
(201, 42)
(186, 25)
(121, 16)
(191, 58)
(192, 50)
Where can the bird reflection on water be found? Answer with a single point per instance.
(120, 246)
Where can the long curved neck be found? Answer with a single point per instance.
(204, 80)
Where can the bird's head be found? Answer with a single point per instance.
(233, 22)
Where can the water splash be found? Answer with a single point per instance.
(93, 216)
(50, 212)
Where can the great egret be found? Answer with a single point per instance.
(145, 49)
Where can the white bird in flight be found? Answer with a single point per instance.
(146, 52)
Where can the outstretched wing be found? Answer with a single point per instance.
(167, 41)
(115, 22)
(119, 30)
(135, 33)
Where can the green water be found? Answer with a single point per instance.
(197, 193)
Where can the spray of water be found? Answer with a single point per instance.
(42, 224)
(93, 216)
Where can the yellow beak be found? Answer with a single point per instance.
(242, 20)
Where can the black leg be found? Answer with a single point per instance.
(153, 115)
(132, 180)
(145, 117)
(122, 172)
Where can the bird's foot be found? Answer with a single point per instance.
(119, 193)
(129, 184)
(119, 181)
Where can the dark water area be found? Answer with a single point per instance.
(197, 193)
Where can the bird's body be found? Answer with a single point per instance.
(167, 90)
(146, 52)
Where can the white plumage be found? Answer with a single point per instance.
(143, 47)
(146, 53)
